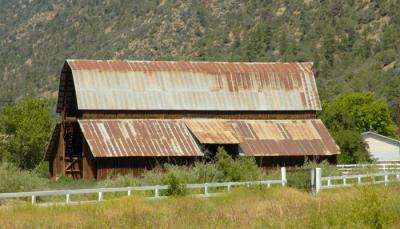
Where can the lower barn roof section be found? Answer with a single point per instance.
(143, 138)
(267, 138)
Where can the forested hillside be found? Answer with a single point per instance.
(354, 44)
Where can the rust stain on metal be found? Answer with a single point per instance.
(285, 137)
(212, 131)
(267, 138)
(127, 138)
(169, 85)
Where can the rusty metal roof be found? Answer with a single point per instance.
(149, 137)
(212, 131)
(169, 85)
(144, 138)
(267, 138)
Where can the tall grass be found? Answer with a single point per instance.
(359, 207)
(223, 169)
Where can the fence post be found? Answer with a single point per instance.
(229, 187)
(344, 181)
(67, 198)
(206, 189)
(386, 179)
(156, 192)
(317, 180)
(283, 176)
(100, 196)
(313, 180)
(129, 191)
(33, 199)
(359, 179)
(329, 182)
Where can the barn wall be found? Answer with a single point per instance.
(108, 167)
(196, 114)
(58, 160)
(273, 161)
(89, 164)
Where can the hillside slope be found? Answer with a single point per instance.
(353, 43)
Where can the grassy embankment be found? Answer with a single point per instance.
(359, 207)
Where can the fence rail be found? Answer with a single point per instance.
(319, 183)
(349, 168)
(155, 188)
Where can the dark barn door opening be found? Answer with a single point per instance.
(210, 150)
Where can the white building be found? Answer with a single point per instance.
(382, 148)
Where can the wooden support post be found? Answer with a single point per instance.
(101, 196)
(344, 181)
(33, 199)
(359, 180)
(386, 179)
(329, 182)
(129, 192)
(229, 187)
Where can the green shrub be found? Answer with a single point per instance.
(206, 172)
(13, 179)
(241, 169)
(225, 164)
(42, 170)
(299, 178)
(175, 186)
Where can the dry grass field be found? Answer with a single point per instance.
(359, 207)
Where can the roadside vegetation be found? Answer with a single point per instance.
(358, 207)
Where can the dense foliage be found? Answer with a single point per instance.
(26, 129)
(350, 114)
(353, 43)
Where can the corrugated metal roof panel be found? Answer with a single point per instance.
(284, 138)
(126, 138)
(158, 85)
(267, 138)
(145, 137)
(212, 131)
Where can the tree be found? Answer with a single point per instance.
(26, 126)
(366, 112)
(352, 113)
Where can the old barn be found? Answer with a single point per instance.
(121, 117)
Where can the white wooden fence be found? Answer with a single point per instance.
(129, 190)
(319, 183)
(351, 168)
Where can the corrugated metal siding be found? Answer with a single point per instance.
(143, 138)
(161, 85)
(267, 138)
